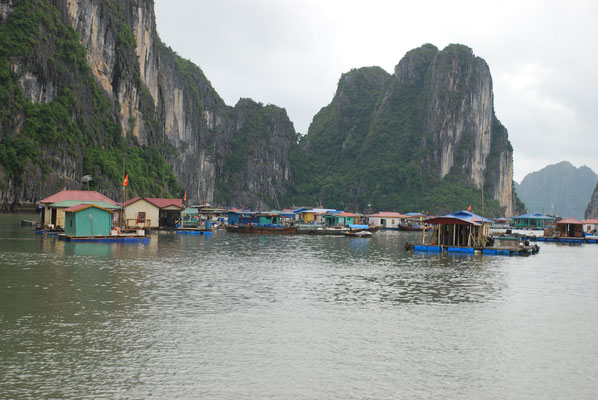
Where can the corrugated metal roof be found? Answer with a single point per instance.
(348, 214)
(459, 217)
(532, 216)
(158, 202)
(81, 195)
(321, 210)
(80, 207)
(70, 203)
(387, 214)
(570, 221)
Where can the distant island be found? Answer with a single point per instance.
(560, 189)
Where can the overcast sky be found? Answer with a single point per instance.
(543, 57)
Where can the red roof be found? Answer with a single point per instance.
(81, 195)
(80, 207)
(348, 214)
(570, 221)
(590, 221)
(158, 202)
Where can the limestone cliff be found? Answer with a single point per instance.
(131, 90)
(87, 87)
(417, 136)
(592, 208)
(560, 189)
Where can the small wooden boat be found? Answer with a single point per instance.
(28, 222)
(410, 227)
(359, 234)
(330, 231)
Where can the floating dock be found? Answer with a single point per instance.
(194, 231)
(503, 251)
(145, 239)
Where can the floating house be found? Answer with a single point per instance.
(87, 220)
(386, 219)
(211, 213)
(460, 229)
(91, 223)
(341, 218)
(533, 221)
(314, 215)
(257, 222)
(239, 217)
(52, 207)
(286, 216)
(590, 226)
(465, 232)
(153, 213)
(569, 228)
(190, 217)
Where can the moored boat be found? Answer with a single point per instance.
(262, 228)
(359, 234)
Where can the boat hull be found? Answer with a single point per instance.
(145, 239)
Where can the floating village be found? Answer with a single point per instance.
(89, 216)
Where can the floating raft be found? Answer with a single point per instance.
(145, 239)
(575, 240)
(194, 231)
(503, 251)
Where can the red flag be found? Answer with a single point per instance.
(469, 208)
(126, 181)
(185, 196)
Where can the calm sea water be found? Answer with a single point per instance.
(236, 316)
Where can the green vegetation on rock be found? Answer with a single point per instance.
(79, 120)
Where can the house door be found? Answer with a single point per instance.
(53, 221)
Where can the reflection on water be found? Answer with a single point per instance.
(237, 316)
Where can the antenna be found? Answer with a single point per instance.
(86, 178)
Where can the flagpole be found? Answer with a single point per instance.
(123, 223)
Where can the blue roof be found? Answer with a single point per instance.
(358, 226)
(532, 216)
(285, 214)
(465, 216)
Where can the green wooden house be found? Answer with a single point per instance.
(341, 219)
(533, 221)
(86, 220)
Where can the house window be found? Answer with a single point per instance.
(71, 223)
(141, 217)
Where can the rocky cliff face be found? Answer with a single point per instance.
(458, 116)
(558, 188)
(592, 208)
(430, 123)
(156, 98)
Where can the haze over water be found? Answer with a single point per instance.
(301, 317)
